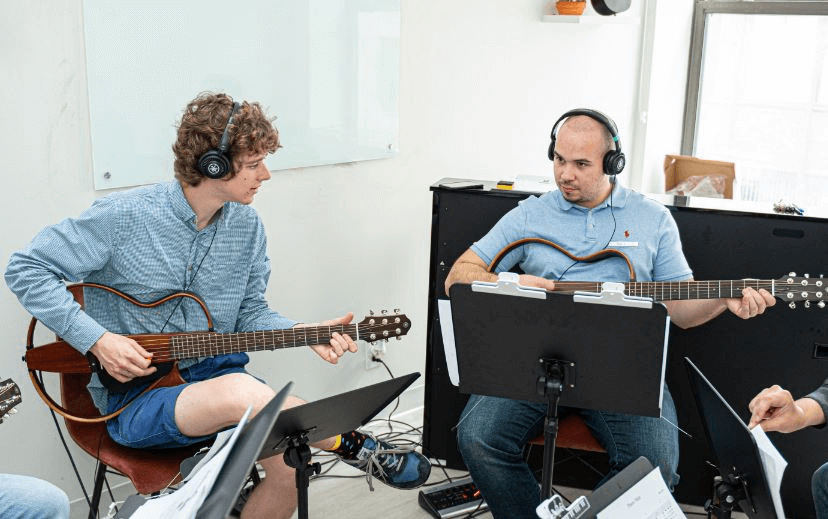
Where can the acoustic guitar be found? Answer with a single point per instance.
(790, 289)
(169, 348)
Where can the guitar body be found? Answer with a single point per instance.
(165, 370)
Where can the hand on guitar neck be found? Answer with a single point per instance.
(339, 343)
(528, 280)
(122, 357)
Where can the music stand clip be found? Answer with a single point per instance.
(612, 294)
(507, 285)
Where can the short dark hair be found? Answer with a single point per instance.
(202, 125)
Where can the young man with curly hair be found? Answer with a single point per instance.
(197, 234)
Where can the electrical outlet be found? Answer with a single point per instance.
(374, 350)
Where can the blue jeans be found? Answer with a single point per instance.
(25, 497)
(819, 489)
(492, 433)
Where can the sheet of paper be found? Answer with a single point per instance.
(534, 184)
(774, 465)
(647, 499)
(185, 502)
(447, 328)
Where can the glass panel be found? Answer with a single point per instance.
(327, 69)
(763, 103)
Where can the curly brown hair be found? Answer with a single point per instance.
(201, 128)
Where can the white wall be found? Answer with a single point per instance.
(481, 84)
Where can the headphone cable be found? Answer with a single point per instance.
(614, 227)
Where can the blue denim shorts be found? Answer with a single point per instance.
(149, 421)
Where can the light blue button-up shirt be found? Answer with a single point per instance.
(144, 242)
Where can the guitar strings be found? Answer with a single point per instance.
(163, 347)
(683, 287)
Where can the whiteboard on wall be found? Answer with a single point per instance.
(328, 70)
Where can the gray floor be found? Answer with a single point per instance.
(344, 492)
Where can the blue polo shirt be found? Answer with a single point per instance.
(642, 229)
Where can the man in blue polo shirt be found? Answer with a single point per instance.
(588, 213)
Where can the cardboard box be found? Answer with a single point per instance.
(679, 167)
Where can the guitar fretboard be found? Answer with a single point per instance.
(673, 290)
(208, 344)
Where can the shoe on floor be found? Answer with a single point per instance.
(397, 467)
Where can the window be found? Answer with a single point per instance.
(758, 96)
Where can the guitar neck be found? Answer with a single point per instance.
(187, 346)
(675, 290)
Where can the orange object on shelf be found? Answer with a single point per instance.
(569, 7)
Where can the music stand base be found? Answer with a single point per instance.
(726, 493)
(298, 456)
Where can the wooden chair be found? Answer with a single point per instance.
(150, 471)
(573, 435)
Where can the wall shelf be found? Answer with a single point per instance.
(589, 19)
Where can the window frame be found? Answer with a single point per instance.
(701, 10)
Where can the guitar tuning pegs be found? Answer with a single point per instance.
(400, 338)
(792, 274)
(821, 304)
(396, 310)
(792, 305)
(384, 312)
(370, 312)
(807, 304)
(806, 276)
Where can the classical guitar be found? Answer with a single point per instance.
(60, 357)
(790, 289)
(9, 397)
(169, 348)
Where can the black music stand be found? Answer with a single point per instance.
(315, 421)
(528, 344)
(239, 463)
(743, 479)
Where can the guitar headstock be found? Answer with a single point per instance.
(384, 326)
(792, 289)
(9, 397)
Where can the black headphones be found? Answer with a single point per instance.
(217, 163)
(614, 160)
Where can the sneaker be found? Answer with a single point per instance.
(396, 467)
